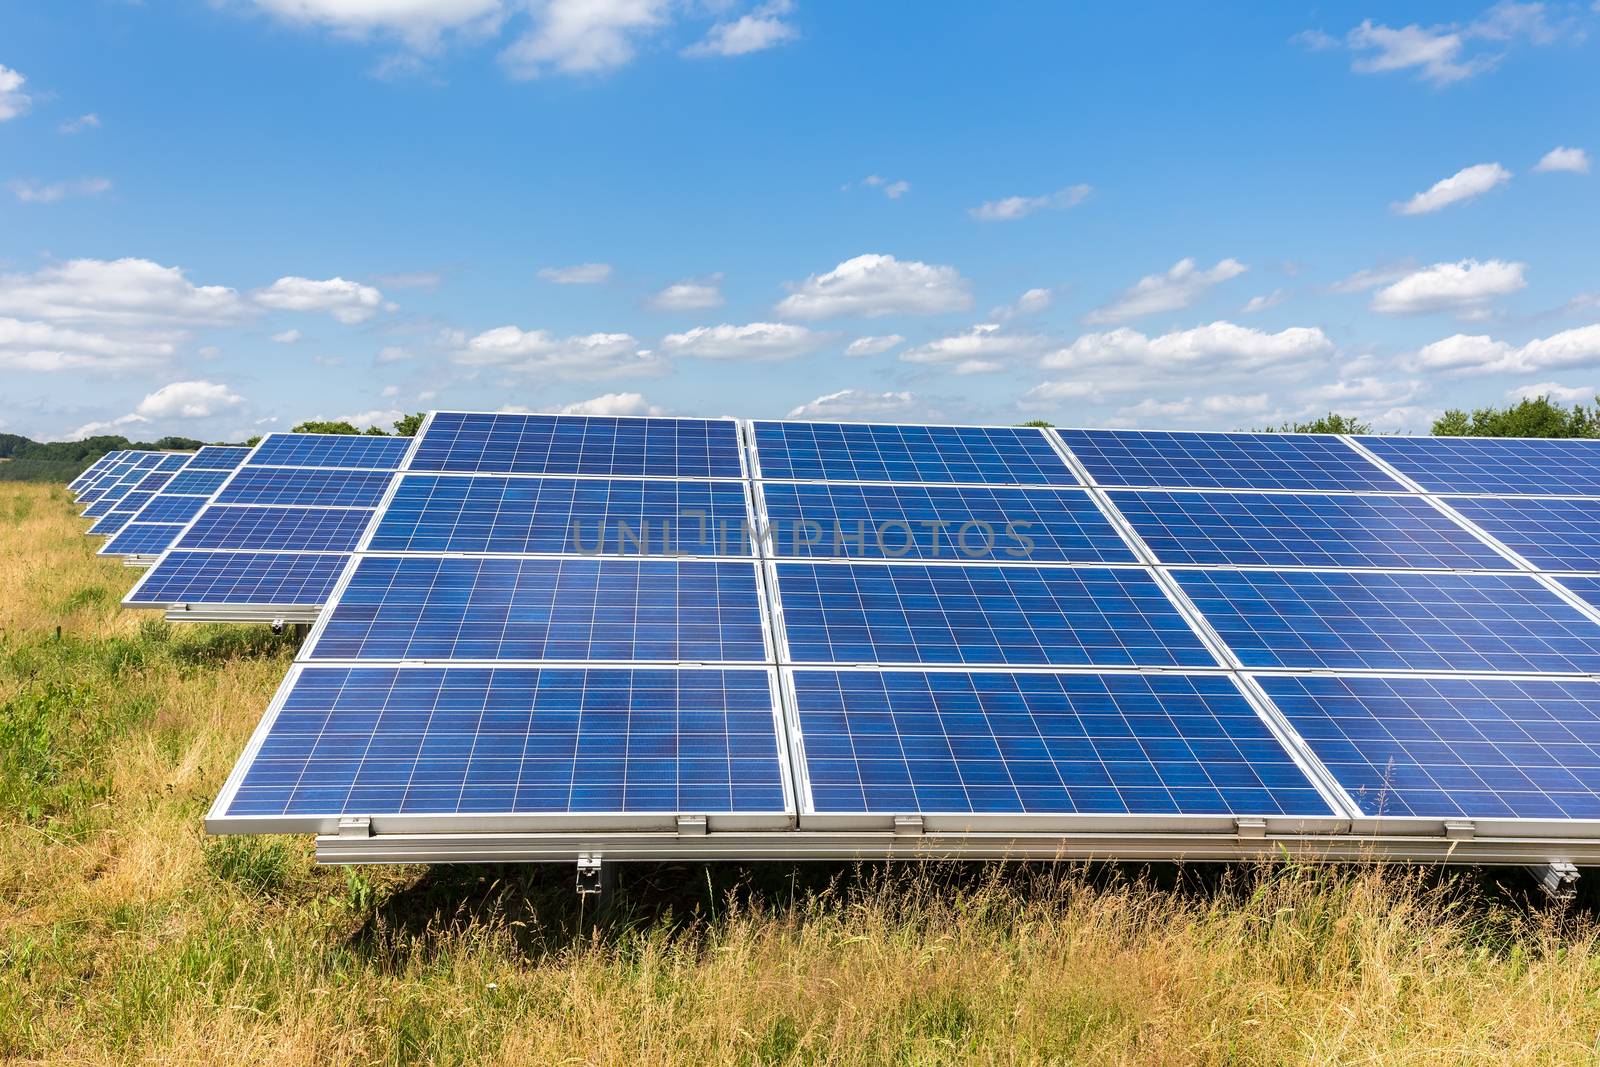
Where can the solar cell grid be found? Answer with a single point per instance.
(320, 487)
(196, 483)
(1302, 530)
(823, 451)
(143, 538)
(1509, 466)
(517, 741)
(976, 614)
(1041, 744)
(934, 521)
(487, 513)
(299, 529)
(218, 457)
(576, 444)
(421, 607)
(1162, 459)
(1551, 534)
(110, 523)
(1453, 747)
(330, 450)
(1394, 621)
(243, 578)
(165, 507)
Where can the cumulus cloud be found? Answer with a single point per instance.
(580, 274)
(582, 36)
(31, 191)
(1179, 287)
(756, 31)
(894, 190)
(691, 294)
(1463, 185)
(287, 337)
(1263, 302)
(1372, 277)
(1031, 302)
(1220, 348)
(188, 400)
(757, 340)
(1011, 208)
(1464, 286)
(612, 404)
(1481, 354)
(872, 346)
(587, 357)
(873, 285)
(417, 23)
(91, 121)
(856, 404)
(1189, 408)
(1561, 394)
(43, 346)
(1573, 160)
(348, 302)
(980, 349)
(126, 292)
(1444, 54)
(13, 101)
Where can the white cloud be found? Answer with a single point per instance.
(872, 285)
(1465, 286)
(107, 426)
(1264, 301)
(855, 404)
(389, 392)
(1561, 394)
(1371, 278)
(581, 274)
(691, 294)
(13, 101)
(757, 31)
(894, 190)
(43, 346)
(418, 23)
(1031, 302)
(391, 354)
(1480, 354)
(611, 404)
(91, 121)
(1220, 348)
(427, 280)
(1011, 208)
(188, 400)
(1463, 185)
(980, 349)
(127, 292)
(588, 357)
(1445, 54)
(1189, 408)
(1051, 393)
(1177, 288)
(872, 346)
(757, 340)
(287, 337)
(348, 302)
(31, 191)
(383, 418)
(1574, 160)
(582, 36)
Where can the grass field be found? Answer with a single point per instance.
(127, 936)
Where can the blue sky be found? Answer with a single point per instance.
(224, 216)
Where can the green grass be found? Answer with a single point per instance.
(127, 935)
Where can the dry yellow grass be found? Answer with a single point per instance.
(126, 936)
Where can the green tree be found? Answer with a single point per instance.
(1534, 417)
(1041, 423)
(408, 425)
(1332, 422)
(326, 426)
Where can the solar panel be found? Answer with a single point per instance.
(984, 523)
(1394, 621)
(1478, 748)
(862, 452)
(973, 614)
(167, 507)
(218, 457)
(1587, 587)
(1302, 530)
(580, 444)
(1552, 534)
(1510, 466)
(154, 527)
(93, 470)
(289, 529)
(144, 538)
(1041, 744)
(525, 515)
(1163, 459)
(515, 741)
(452, 608)
(330, 450)
(196, 483)
(105, 498)
(323, 487)
(241, 578)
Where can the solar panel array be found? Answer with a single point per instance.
(154, 526)
(270, 537)
(568, 622)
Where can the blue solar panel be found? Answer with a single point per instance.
(218, 457)
(982, 614)
(110, 523)
(1395, 620)
(579, 444)
(1163, 459)
(297, 529)
(940, 522)
(94, 470)
(324, 487)
(173, 461)
(1511, 466)
(417, 607)
(1041, 744)
(858, 452)
(450, 513)
(166, 508)
(517, 740)
(264, 578)
(1442, 747)
(330, 450)
(1551, 534)
(142, 539)
(196, 483)
(1302, 530)
(1588, 588)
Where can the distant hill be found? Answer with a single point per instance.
(27, 460)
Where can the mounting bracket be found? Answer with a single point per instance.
(1558, 879)
(593, 876)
